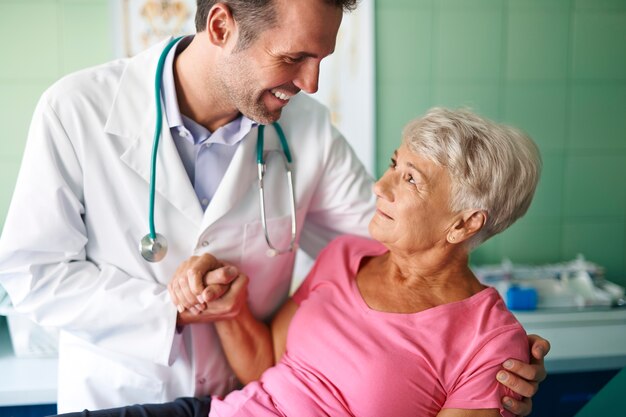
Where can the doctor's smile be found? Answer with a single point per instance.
(282, 94)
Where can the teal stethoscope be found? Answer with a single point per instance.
(153, 246)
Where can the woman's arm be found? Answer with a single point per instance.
(249, 344)
(246, 341)
(280, 324)
(204, 290)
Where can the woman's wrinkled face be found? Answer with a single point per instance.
(412, 203)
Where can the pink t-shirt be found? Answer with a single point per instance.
(345, 359)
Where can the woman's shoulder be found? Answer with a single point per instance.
(488, 312)
(347, 251)
(493, 324)
(336, 263)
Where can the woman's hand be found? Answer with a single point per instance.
(524, 378)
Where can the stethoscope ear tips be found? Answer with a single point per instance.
(153, 250)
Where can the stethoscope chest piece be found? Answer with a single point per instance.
(153, 249)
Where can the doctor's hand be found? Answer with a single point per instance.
(227, 306)
(524, 378)
(198, 280)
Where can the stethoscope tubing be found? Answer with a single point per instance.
(286, 157)
(158, 79)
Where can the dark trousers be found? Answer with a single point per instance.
(181, 407)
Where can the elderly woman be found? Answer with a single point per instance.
(396, 325)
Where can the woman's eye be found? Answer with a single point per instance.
(410, 179)
(392, 164)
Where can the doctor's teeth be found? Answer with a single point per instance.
(280, 95)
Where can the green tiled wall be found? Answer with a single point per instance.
(555, 68)
(43, 40)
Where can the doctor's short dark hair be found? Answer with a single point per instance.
(253, 16)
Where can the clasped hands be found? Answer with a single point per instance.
(205, 289)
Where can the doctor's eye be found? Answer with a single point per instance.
(293, 60)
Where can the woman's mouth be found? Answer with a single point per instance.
(383, 214)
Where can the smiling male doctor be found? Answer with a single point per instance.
(69, 251)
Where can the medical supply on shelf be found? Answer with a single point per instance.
(574, 284)
(518, 298)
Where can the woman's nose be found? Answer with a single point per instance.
(382, 189)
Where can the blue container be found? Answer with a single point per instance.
(518, 298)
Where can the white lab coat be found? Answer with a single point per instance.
(69, 252)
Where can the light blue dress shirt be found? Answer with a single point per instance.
(205, 155)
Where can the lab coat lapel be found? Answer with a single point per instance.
(133, 116)
(238, 179)
(172, 182)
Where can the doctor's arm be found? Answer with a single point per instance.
(44, 264)
(343, 201)
(458, 412)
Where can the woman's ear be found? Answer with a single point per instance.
(467, 225)
(220, 25)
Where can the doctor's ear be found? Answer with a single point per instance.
(220, 25)
(467, 225)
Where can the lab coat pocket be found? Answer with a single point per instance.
(269, 273)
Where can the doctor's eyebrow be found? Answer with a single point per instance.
(305, 54)
(301, 54)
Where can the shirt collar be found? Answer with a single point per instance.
(170, 100)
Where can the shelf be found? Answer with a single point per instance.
(25, 381)
(581, 340)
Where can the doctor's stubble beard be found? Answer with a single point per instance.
(236, 81)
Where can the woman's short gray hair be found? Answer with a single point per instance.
(493, 167)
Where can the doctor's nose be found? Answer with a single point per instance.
(308, 77)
